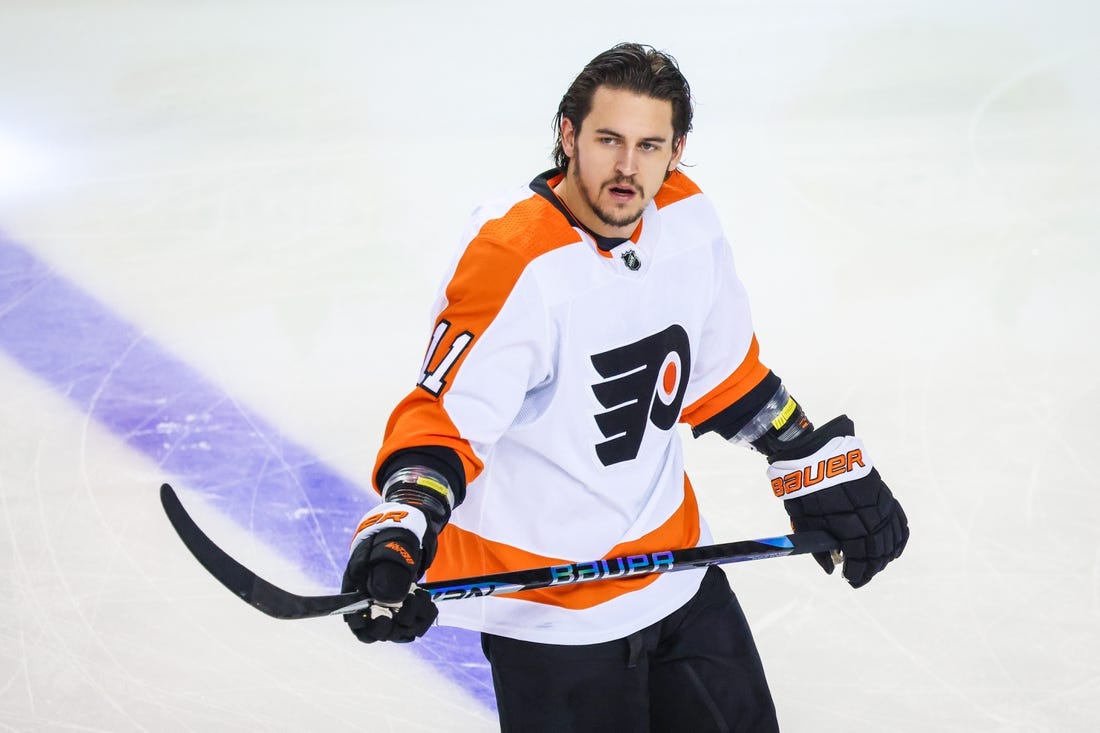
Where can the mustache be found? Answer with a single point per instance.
(623, 180)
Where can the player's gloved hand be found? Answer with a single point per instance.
(828, 483)
(388, 555)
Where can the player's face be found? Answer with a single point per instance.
(618, 159)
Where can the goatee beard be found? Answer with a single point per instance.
(606, 217)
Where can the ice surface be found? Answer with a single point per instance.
(258, 200)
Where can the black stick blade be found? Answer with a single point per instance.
(244, 583)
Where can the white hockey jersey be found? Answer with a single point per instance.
(557, 372)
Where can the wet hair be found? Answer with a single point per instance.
(631, 67)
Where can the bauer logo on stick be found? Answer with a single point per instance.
(613, 568)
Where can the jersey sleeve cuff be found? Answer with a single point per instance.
(729, 421)
(444, 461)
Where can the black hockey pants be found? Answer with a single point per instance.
(695, 671)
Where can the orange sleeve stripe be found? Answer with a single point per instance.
(464, 554)
(749, 374)
(483, 279)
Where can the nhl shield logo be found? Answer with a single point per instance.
(630, 259)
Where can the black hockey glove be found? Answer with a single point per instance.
(392, 548)
(828, 483)
(387, 558)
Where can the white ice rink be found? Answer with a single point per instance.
(263, 197)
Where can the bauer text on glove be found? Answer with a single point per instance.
(828, 482)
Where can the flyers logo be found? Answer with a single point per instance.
(644, 382)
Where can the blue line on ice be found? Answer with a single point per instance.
(202, 438)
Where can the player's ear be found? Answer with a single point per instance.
(677, 153)
(568, 137)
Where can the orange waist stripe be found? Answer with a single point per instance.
(463, 554)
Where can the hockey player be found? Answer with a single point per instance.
(586, 315)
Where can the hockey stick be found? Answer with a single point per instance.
(279, 603)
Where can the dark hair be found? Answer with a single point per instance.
(632, 67)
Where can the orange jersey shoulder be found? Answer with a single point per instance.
(677, 188)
